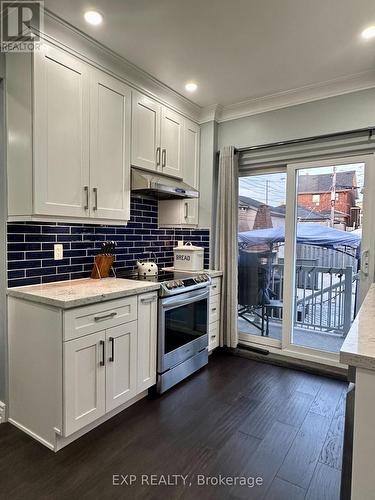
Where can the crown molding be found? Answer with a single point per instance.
(309, 93)
(210, 113)
(62, 34)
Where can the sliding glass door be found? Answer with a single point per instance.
(261, 217)
(304, 260)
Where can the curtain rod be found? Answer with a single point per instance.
(369, 130)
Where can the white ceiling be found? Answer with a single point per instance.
(234, 49)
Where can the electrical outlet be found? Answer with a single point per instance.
(58, 251)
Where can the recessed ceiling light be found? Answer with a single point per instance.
(93, 17)
(191, 87)
(368, 32)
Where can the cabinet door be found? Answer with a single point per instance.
(121, 382)
(191, 212)
(110, 148)
(61, 134)
(171, 143)
(147, 338)
(84, 381)
(146, 118)
(191, 153)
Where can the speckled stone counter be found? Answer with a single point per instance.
(358, 349)
(76, 293)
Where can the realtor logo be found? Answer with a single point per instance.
(21, 24)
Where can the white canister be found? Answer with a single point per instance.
(188, 258)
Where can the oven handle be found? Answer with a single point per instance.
(179, 303)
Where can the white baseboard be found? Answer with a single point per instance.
(2, 412)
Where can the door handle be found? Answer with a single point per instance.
(186, 210)
(105, 316)
(102, 343)
(95, 191)
(86, 189)
(112, 340)
(163, 158)
(157, 156)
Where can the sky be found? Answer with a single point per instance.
(257, 186)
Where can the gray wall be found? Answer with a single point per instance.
(335, 114)
(3, 343)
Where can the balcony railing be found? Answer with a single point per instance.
(325, 297)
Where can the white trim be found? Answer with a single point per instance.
(292, 97)
(298, 354)
(31, 433)
(290, 253)
(67, 220)
(62, 34)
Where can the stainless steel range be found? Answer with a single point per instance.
(182, 325)
(183, 328)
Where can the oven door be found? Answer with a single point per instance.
(183, 327)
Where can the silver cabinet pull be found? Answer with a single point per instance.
(213, 287)
(112, 341)
(213, 336)
(86, 189)
(186, 210)
(105, 316)
(213, 309)
(157, 156)
(148, 300)
(95, 191)
(102, 362)
(163, 157)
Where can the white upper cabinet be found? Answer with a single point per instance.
(157, 137)
(77, 165)
(110, 113)
(172, 125)
(61, 134)
(146, 121)
(185, 212)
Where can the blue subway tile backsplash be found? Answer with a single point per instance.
(30, 245)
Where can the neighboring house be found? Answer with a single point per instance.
(314, 193)
(253, 214)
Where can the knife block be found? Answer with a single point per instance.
(102, 266)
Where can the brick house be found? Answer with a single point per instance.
(314, 193)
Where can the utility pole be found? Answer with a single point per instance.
(267, 189)
(333, 197)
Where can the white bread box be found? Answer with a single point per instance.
(188, 258)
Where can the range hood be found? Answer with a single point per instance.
(160, 186)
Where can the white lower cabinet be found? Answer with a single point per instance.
(72, 369)
(121, 364)
(147, 339)
(84, 381)
(214, 314)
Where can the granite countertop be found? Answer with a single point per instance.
(81, 292)
(358, 348)
(211, 272)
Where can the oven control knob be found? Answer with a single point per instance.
(169, 285)
(180, 283)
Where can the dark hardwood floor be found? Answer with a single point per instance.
(236, 417)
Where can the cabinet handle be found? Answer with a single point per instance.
(148, 300)
(95, 191)
(213, 287)
(157, 157)
(163, 158)
(213, 336)
(110, 315)
(213, 309)
(86, 189)
(186, 210)
(102, 343)
(112, 358)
